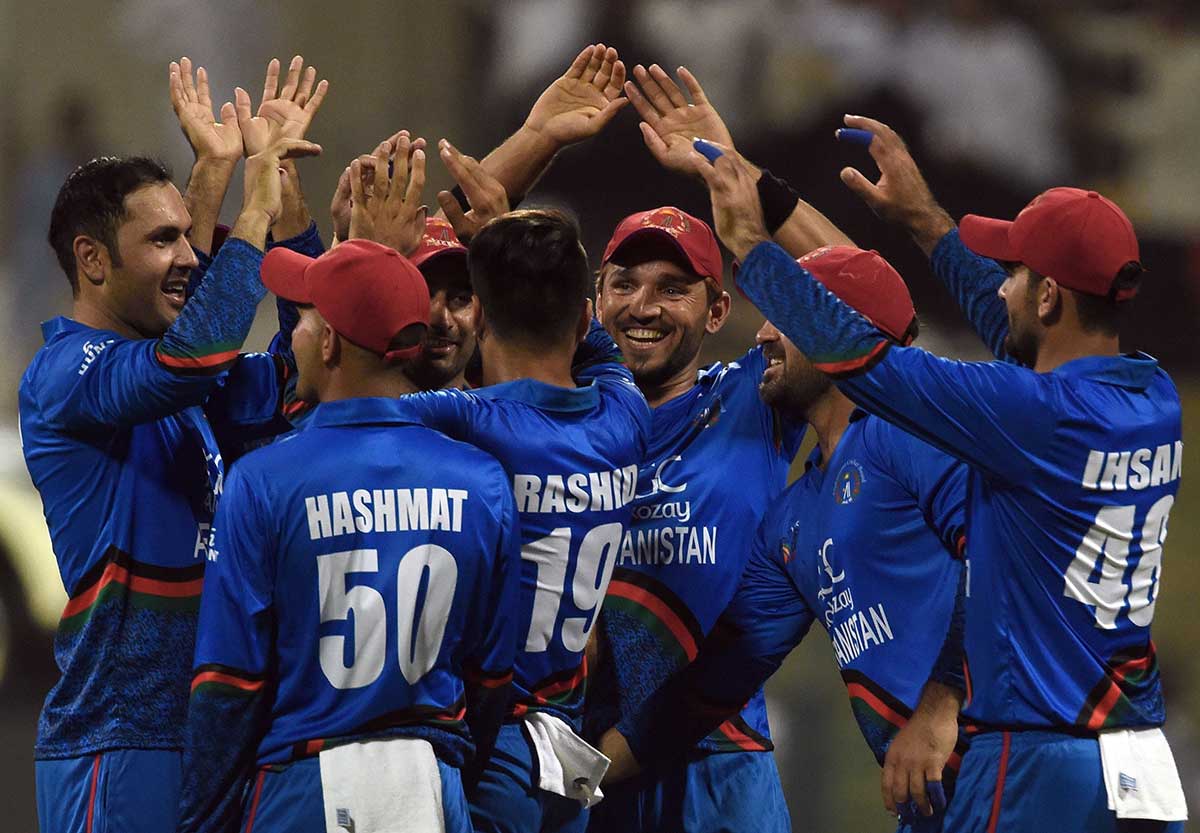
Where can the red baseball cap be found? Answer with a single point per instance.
(439, 239)
(1077, 237)
(866, 282)
(691, 236)
(367, 292)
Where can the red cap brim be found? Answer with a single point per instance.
(283, 274)
(662, 234)
(988, 237)
(421, 257)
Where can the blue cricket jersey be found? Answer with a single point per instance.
(122, 440)
(1072, 476)
(370, 592)
(718, 455)
(571, 457)
(863, 547)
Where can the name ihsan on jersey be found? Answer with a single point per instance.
(1118, 471)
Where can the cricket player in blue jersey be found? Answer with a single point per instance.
(358, 625)
(1074, 457)
(862, 543)
(718, 456)
(122, 413)
(567, 423)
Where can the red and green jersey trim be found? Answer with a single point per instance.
(679, 635)
(844, 366)
(564, 690)
(1111, 702)
(217, 358)
(118, 577)
(881, 715)
(452, 719)
(214, 678)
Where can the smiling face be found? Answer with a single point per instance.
(790, 384)
(658, 312)
(143, 282)
(450, 341)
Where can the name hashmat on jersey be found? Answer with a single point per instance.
(1118, 471)
(384, 510)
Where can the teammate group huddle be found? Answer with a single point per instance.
(470, 545)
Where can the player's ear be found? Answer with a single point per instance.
(481, 332)
(1049, 300)
(585, 322)
(718, 308)
(331, 346)
(91, 259)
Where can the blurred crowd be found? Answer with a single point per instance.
(999, 99)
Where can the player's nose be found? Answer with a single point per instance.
(766, 332)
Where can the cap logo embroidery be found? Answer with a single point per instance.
(670, 220)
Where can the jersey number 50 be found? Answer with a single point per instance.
(1105, 550)
(419, 631)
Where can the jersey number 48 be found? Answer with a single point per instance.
(1096, 576)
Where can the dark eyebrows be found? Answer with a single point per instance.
(168, 231)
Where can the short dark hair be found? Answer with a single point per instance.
(92, 202)
(531, 275)
(1103, 313)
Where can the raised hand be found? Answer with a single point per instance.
(483, 191)
(210, 139)
(580, 103)
(737, 211)
(901, 194)
(669, 121)
(282, 113)
(340, 205)
(387, 207)
(263, 186)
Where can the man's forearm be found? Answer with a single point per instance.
(519, 162)
(205, 194)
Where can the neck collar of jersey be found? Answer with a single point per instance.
(365, 410)
(545, 396)
(814, 456)
(62, 324)
(1129, 370)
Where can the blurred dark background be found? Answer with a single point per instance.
(997, 101)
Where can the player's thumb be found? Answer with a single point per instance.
(860, 185)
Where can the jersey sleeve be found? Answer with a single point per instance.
(247, 404)
(309, 243)
(457, 414)
(229, 705)
(765, 620)
(991, 415)
(936, 481)
(974, 280)
(949, 668)
(489, 665)
(120, 382)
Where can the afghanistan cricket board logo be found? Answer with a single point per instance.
(849, 482)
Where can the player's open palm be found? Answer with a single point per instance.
(580, 103)
(192, 101)
(282, 113)
(386, 207)
(669, 121)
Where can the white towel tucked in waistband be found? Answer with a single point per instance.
(380, 786)
(1140, 774)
